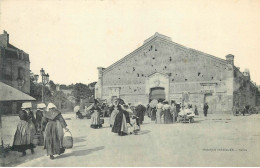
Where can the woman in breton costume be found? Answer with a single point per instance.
(167, 113)
(95, 116)
(39, 114)
(113, 114)
(120, 124)
(24, 131)
(53, 138)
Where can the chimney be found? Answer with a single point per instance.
(246, 73)
(230, 59)
(4, 39)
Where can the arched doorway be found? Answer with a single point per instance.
(157, 93)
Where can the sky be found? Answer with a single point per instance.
(70, 39)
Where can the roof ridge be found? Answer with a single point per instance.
(160, 36)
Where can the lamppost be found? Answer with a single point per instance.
(45, 80)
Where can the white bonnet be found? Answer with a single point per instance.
(41, 106)
(50, 106)
(26, 105)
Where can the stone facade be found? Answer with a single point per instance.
(14, 70)
(183, 74)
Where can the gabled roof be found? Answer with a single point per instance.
(8, 93)
(164, 39)
(12, 46)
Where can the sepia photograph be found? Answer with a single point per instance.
(129, 83)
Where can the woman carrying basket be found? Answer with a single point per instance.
(53, 139)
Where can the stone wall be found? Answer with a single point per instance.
(189, 70)
(185, 65)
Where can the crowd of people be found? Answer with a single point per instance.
(48, 122)
(125, 119)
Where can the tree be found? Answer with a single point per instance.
(81, 91)
(52, 86)
(63, 87)
(36, 91)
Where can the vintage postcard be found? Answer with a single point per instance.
(118, 83)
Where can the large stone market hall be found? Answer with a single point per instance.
(161, 68)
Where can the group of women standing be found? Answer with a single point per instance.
(163, 112)
(50, 123)
(121, 116)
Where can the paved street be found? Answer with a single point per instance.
(219, 140)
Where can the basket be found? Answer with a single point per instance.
(38, 139)
(67, 140)
(101, 121)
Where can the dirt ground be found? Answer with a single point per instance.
(218, 140)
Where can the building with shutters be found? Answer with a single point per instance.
(161, 68)
(14, 71)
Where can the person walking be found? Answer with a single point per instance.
(53, 132)
(39, 114)
(159, 112)
(113, 113)
(120, 124)
(205, 109)
(173, 110)
(167, 113)
(22, 138)
(95, 117)
(153, 114)
(140, 112)
(196, 110)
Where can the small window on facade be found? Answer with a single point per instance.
(20, 72)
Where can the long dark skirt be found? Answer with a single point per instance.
(153, 114)
(167, 117)
(22, 137)
(53, 138)
(118, 123)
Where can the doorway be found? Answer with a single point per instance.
(157, 93)
(210, 99)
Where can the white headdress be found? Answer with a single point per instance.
(50, 106)
(41, 106)
(26, 105)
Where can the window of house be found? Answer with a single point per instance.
(7, 72)
(20, 72)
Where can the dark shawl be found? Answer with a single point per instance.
(23, 115)
(118, 121)
(53, 115)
